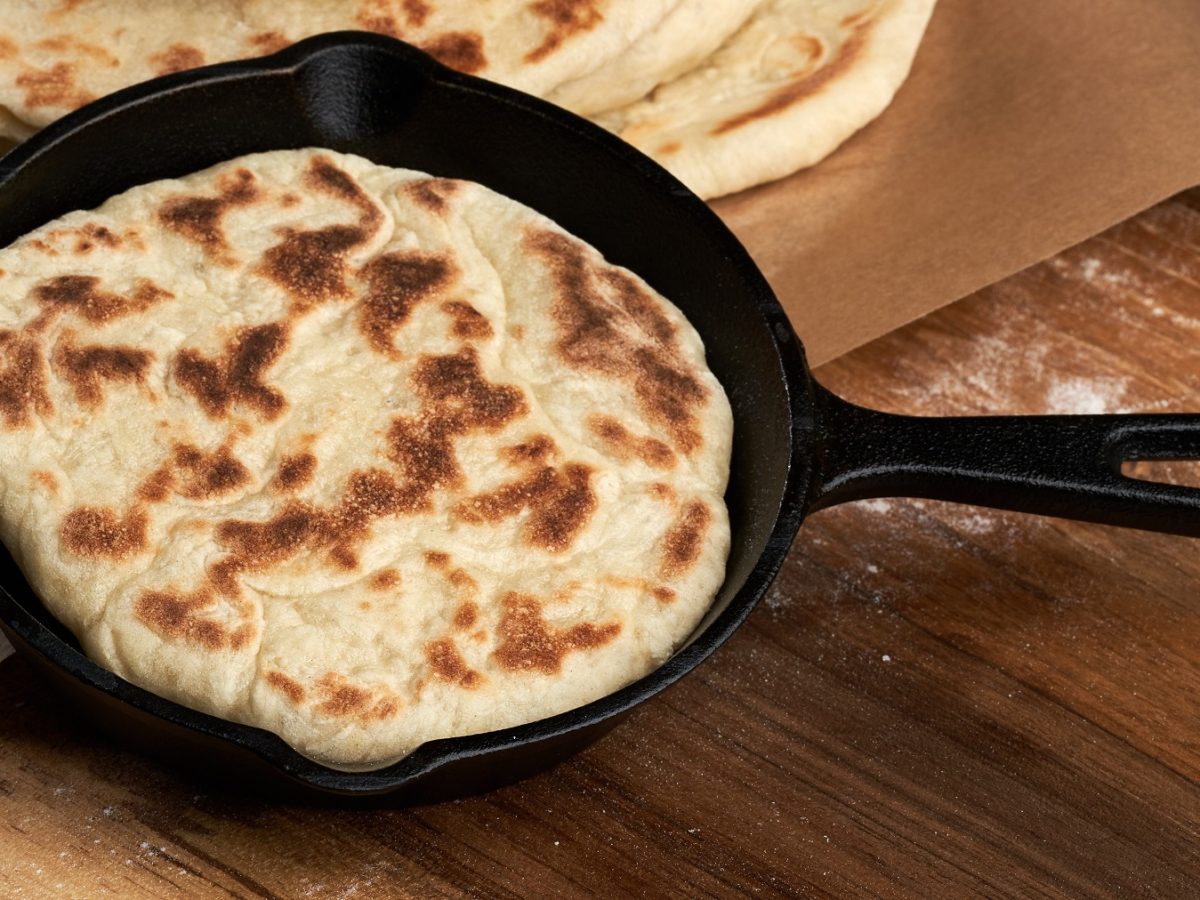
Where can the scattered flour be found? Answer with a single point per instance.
(877, 506)
(1071, 396)
(776, 599)
(975, 523)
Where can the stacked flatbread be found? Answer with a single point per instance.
(354, 454)
(724, 93)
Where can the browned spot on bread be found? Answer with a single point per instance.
(432, 193)
(661, 491)
(65, 43)
(269, 42)
(176, 58)
(527, 644)
(7, 48)
(560, 502)
(156, 487)
(81, 295)
(295, 471)
(85, 368)
(342, 699)
(459, 579)
(208, 475)
(535, 449)
(626, 340)
(376, 16)
(465, 400)
(323, 175)
(469, 323)
(659, 592)
(462, 580)
(53, 87)
(457, 400)
(805, 85)
(646, 310)
(447, 664)
(289, 199)
(311, 265)
(461, 50)
(305, 528)
(416, 12)
(566, 19)
(466, 615)
(92, 531)
(23, 379)
(384, 580)
(684, 539)
(88, 237)
(176, 614)
(237, 376)
(518, 331)
(46, 480)
(479, 636)
(625, 445)
(397, 282)
(670, 147)
(289, 687)
(199, 218)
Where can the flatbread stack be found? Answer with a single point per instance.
(724, 93)
(354, 454)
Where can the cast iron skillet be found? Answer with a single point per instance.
(797, 448)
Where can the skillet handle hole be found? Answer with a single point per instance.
(1182, 472)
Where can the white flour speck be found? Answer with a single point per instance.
(877, 506)
(886, 658)
(1070, 396)
(776, 599)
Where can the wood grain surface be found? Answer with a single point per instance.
(933, 700)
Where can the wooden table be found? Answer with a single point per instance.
(933, 700)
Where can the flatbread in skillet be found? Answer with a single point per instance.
(56, 55)
(354, 454)
(785, 91)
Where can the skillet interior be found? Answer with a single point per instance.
(380, 99)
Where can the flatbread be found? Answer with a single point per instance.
(56, 56)
(354, 454)
(797, 80)
(692, 31)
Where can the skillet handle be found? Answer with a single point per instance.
(1065, 466)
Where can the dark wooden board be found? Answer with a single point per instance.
(932, 701)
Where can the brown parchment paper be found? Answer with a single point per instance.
(1025, 127)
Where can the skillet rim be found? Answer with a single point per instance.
(794, 376)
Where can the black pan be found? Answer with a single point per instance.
(797, 448)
